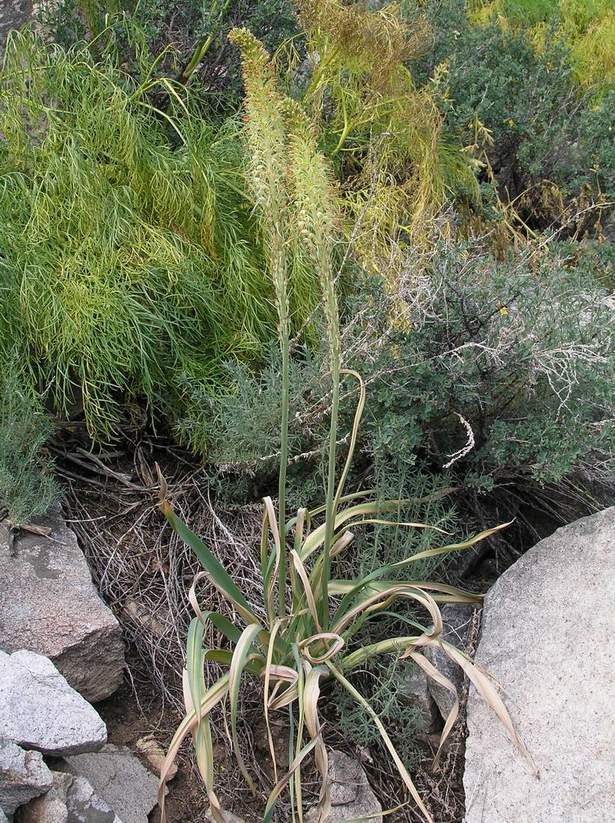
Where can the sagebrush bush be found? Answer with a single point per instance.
(586, 27)
(238, 426)
(521, 349)
(27, 485)
(548, 143)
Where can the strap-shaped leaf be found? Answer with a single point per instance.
(238, 664)
(194, 665)
(220, 622)
(442, 591)
(300, 727)
(391, 645)
(211, 698)
(353, 434)
(212, 566)
(382, 598)
(254, 664)
(279, 787)
(271, 564)
(357, 512)
(431, 671)
(352, 591)
(275, 628)
(204, 751)
(401, 503)
(403, 772)
(311, 694)
(224, 626)
(307, 588)
(453, 547)
(484, 686)
(201, 736)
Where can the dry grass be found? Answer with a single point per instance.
(144, 572)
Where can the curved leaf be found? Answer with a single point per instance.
(211, 698)
(403, 772)
(238, 663)
(212, 566)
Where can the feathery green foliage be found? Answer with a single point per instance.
(384, 135)
(27, 486)
(133, 264)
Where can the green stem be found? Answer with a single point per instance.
(279, 276)
(284, 347)
(331, 507)
(345, 130)
(203, 47)
(331, 313)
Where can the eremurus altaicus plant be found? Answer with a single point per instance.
(312, 618)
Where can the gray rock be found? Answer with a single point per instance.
(352, 797)
(51, 606)
(39, 710)
(84, 806)
(414, 689)
(13, 15)
(547, 638)
(71, 800)
(120, 779)
(458, 620)
(23, 775)
(3, 817)
(51, 807)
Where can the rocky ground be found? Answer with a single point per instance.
(546, 630)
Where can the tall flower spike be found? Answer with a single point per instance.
(266, 133)
(314, 207)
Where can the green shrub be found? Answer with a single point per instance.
(132, 264)
(181, 29)
(27, 487)
(519, 12)
(549, 147)
(522, 350)
(586, 27)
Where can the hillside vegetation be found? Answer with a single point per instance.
(417, 199)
